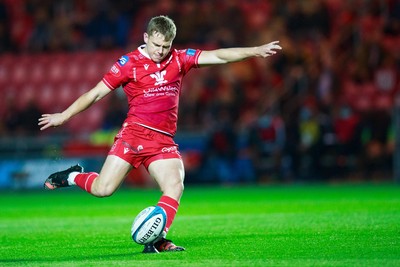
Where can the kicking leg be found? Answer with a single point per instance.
(104, 184)
(111, 176)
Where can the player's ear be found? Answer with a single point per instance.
(145, 37)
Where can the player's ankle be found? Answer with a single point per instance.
(71, 178)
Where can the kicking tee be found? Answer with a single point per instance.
(152, 89)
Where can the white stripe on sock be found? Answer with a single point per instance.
(88, 180)
(166, 204)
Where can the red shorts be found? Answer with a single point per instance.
(139, 145)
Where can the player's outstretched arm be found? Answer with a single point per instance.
(227, 55)
(82, 103)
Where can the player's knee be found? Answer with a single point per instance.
(103, 191)
(176, 186)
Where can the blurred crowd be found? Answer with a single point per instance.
(321, 109)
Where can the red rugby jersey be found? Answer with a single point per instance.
(152, 89)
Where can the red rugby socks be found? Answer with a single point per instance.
(170, 206)
(85, 180)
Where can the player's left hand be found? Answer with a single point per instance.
(269, 49)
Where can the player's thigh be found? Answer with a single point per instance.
(167, 172)
(113, 172)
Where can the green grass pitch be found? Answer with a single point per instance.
(319, 225)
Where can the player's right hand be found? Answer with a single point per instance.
(51, 120)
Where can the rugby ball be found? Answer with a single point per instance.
(148, 225)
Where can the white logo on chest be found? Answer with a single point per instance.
(159, 76)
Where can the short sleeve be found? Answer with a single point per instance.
(189, 57)
(119, 74)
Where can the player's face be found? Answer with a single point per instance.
(156, 46)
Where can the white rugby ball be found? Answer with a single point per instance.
(148, 225)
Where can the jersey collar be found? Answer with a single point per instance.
(143, 51)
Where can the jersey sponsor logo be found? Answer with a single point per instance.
(159, 76)
(169, 149)
(115, 71)
(161, 91)
(190, 52)
(123, 60)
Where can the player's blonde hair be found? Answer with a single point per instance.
(163, 25)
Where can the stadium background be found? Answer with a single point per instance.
(322, 110)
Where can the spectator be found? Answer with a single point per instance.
(267, 140)
(310, 143)
(220, 154)
(348, 141)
